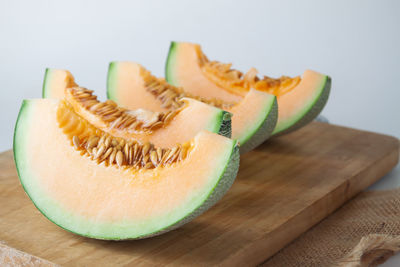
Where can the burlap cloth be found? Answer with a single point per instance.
(364, 232)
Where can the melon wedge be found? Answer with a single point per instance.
(254, 113)
(300, 100)
(180, 129)
(107, 201)
(55, 81)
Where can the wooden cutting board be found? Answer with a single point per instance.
(283, 188)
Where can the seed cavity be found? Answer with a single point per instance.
(100, 146)
(109, 116)
(225, 76)
(171, 96)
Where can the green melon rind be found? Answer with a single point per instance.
(225, 123)
(253, 137)
(224, 182)
(111, 84)
(46, 80)
(221, 124)
(263, 131)
(17, 151)
(312, 111)
(169, 65)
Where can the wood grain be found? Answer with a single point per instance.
(283, 188)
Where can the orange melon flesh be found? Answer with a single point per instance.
(212, 119)
(254, 114)
(108, 202)
(188, 75)
(306, 94)
(296, 107)
(55, 81)
(126, 87)
(245, 118)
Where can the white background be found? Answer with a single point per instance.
(356, 42)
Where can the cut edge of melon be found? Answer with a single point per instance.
(310, 110)
(216, 121)
(56, 78)
(221, 124)
(252, 128)
(222, 183)
(313, 102)
(262, 130)
(263, 123)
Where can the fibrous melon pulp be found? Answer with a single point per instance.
(105, 184)
(300, 100)
(254, 113)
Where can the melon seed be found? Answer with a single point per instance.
(149, 165)
(170, 154)
(156, 125)
(145, 159)
(96, 106)
(130, 155)
(111, 103)
(107, 142)
(135, 150)
(169, 117)
(108, 152)
(101, 141)
(126, 150)
(114, 142)
(100, 151)
(112, 156)
(159, 154)
(120, 158)
(146, 148)
(175, 155)
(154, 157)
(75, 140)
(92, 142)
(183, 153)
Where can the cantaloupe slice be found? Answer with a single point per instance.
(300, 100)
(55, 81)
(135, 191)
(167, 134)
(254, 112)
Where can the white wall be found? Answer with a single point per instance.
(356, 42)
